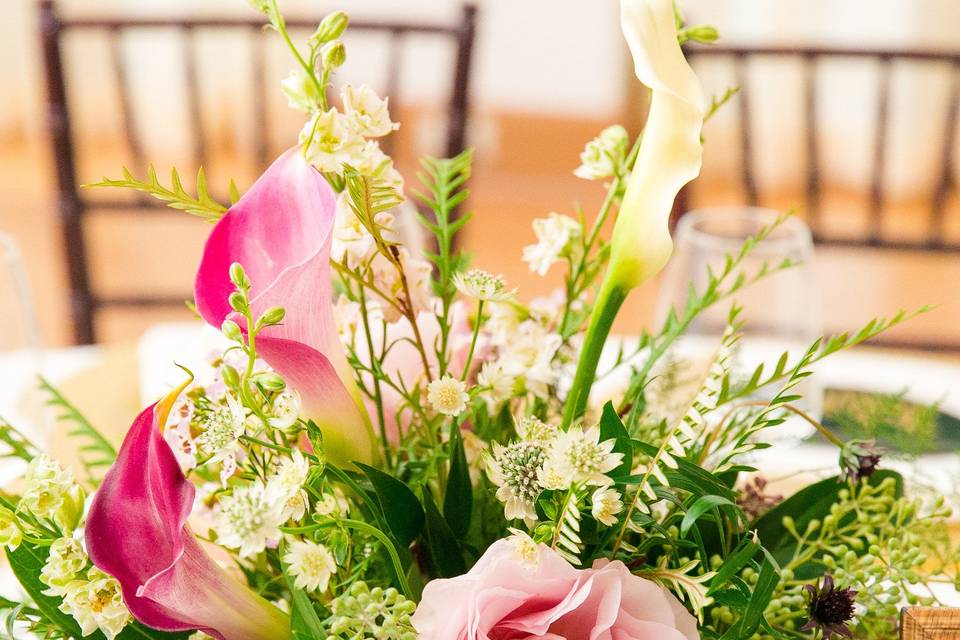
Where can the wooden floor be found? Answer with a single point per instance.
(523, 174)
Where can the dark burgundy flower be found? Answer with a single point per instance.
(859, 459)
(754, 500)
(830, 608)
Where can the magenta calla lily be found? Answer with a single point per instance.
(137, 532)
(280, 231)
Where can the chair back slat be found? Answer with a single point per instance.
(72, 206)
(931, 236)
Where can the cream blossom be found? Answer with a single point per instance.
(497, 383)
(10, 534)
(65, 560)
(285, 409)
(248, 519)
(331, 142)
(482, 285)
(515, 469)
(96, 603)
(529, 356)
(606, 503)
(604, 155)
(352, 243)
(286, 486)
(311, 564)
(50, 492)
(555, 236)
(367, 112)
(533, 429)
(577, 457)
(448, 395)
(301, 91)
(333, 504)
(526, 548)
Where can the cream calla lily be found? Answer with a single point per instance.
(670, 153)
(669, 156)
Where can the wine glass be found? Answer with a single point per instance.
(781, 311)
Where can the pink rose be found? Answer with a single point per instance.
(519, 591)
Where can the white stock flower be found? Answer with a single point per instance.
(515, 469)
(331, 141)
(66, 559)
(286, 486)
(498, 384)
(367, 112)
(352, 242)
(311, 565)
(577, 456)
(47, 488)
(96, 603)
(10, 534)
(285, 409)
(605, 505)
(554, 236)
(301, 91)
(482, 285)
(448, 395)
(603, 155)
(247, 519)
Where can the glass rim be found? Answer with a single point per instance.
(798, 234)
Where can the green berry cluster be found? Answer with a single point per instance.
(363, 613)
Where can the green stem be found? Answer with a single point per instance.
(473, 341)
(377, 392)
(605, 309)
(391, 550)
(282, 29)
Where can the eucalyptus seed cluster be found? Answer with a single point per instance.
(362, 612)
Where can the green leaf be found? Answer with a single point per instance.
(688, 476)
(458, 501)
(176, 197)
(442, 545)
(700, 507)
(400, 506)
(26, 561)
(737, 560)
(304, 621)
(767, 581)
(611, 428)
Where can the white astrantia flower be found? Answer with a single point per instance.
(65, 560)
(497, 383)
(330, 141)
(527, 549)
(515, 469)
(448, 395)
(482, 285)
(604, 155)
(96, 603)
(301, 91)
(285, 409)
(555, 238)
(606, 503)
(368, 113)
(221, 428)
(311, 564)
(533, 429)
(577, 457)
(248, 519)
(286, 486)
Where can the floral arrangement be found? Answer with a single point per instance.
(397, 446)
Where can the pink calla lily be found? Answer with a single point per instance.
(280, 231)
(137, 532)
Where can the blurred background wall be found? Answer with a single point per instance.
(547, 75)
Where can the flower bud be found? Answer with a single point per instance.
(270, 381)
(238, 302)
(69, 514)
(273, 315)
(238, 276)
(330, 28)
(231, 330)
(230, 376)
(333, 54)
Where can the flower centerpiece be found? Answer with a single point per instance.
(397, 446)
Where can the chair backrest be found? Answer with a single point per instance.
(930, 234)
(74, 207)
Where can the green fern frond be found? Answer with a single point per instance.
(566, 534)
(17, 444)
(176, 196)
(96, 452)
